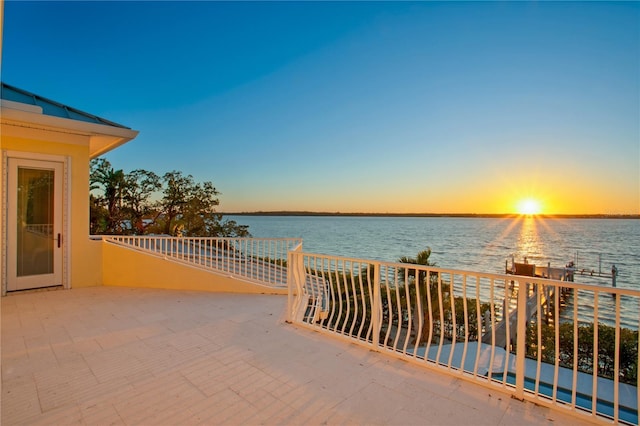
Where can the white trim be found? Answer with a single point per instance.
(20, 117)
(20, 106)
(102, 137)
(36, 156)
(66, 209)
(66, 221)
(3, 219)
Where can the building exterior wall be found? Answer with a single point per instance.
(83, 263)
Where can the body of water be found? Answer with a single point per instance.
(472, 244)
(478, 245)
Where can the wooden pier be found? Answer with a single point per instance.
(526, 269)
(543, 297)
(566, 273)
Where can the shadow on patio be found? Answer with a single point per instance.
(136, 356)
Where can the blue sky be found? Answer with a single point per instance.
(449, 107)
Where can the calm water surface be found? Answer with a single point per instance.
(480, 245)
(473, 244)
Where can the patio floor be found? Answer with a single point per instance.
(104, 355)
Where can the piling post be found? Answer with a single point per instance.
(600, 264)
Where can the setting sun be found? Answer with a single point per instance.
(529, 206)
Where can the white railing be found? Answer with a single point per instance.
(44, 229)
(260, 260)
(529, 336)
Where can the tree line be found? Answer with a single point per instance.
(141, 203)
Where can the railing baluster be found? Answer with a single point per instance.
(244, 260)
(453, 320)
(376, 306)
(430, 276)
(466, 323)
(494, 325)
(420, 314)
(480, 320)
(616, 364)
(594, 349)
(521, 334)
(539, 314)
(399, 314)
(441, 312)
(262, 261)
(407, 295)
(574, 392)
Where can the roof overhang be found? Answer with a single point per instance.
(102, 138)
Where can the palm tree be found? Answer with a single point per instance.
(112, 182)
(422, 259)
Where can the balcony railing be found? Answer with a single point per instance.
(532, 337)
(260, 260)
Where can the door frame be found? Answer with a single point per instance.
(66, 246)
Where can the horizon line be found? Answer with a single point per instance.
(462, 215)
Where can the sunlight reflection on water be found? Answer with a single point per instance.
(473, 244)
(476, 244)
(528, 244)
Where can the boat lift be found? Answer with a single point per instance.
(563, 274)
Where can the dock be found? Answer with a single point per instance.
(566, 273)
(526, 269)
(500, 334)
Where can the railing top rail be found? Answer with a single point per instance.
(486, 275)
(261, 260)
(544, 344)
(148, 237)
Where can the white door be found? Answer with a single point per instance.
(34, 224)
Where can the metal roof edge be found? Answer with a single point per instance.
(10, 115)
(91, 118)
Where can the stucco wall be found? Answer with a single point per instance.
(129, 268)
(85, 265)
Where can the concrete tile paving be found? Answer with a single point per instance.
(120, 356)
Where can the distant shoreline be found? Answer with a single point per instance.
(454, 215)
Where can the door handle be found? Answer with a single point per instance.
(59, 240)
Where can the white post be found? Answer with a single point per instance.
(376, 306)
(521, 334)
(296, 277)
(290, 284)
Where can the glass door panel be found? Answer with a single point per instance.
(34, 253)
(35, 222)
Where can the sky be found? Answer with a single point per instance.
(376, 107)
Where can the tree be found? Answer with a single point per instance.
(423, 259)
(97, 216)
(178, 192)
(140, 185)
(129, 204)
(112, 182)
